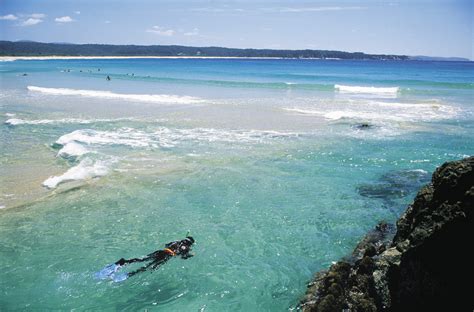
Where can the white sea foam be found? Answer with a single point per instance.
(18, 121)
(124, 136)
(166, 137)
(86, 169)
(420, 171)
(10, 114)
(151, 98)
(72, 149)
(381, 116)
(304, 111)
(14, 121)
(382, 111)
(83, 142)
(368, 90)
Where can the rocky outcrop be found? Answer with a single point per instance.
(425, 266)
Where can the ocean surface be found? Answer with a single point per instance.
(276, 167)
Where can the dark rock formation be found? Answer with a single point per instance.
(395, 184)
(363, 126)
(427, 266)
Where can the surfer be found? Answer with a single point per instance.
(177, 248)
(108, 78)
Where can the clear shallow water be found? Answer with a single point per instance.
(263, 161)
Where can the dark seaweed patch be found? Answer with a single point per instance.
(395, 184)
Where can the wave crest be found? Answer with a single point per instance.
(86, 169)
(166, 137)
(367, 90)
(151, 98)
(386, 111)
(72, 149)
(19, 121)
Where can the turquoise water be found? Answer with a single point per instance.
(276, 167)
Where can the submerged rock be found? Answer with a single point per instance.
(395, 184)
(363, 126)
(426, 266)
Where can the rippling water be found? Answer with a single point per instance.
(276, 167)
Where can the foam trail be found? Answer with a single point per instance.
(166, 137)
(373, 110)
(420, 171)
(387, 116)
(124, 136)
(86, 169)
(151, 98)
(304, 111)
(368, 90)
(18, 121)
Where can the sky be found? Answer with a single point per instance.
(406, 27)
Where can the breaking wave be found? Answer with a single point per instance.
(72, 149)
(86, 169)
(166, 137)
(18, 121)
(367, 90)
(151, 98)
(84, 146)
(386, 111)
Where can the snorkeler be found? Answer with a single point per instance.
(177, 248)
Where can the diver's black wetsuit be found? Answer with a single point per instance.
(176, 248)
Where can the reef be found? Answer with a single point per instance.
(424, 264)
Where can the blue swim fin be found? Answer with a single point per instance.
(107, 271)
(120, 277)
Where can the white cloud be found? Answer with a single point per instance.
(31, 22)
(64, 19)
(209, 10)
(194, 32)
(107, 22)
(37, 15)
(77, 12)
(161, 31)
(9, 17)
(218, 10)
(277, 9)
(315, 9)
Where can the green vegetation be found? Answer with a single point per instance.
(28, 48)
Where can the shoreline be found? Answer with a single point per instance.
(112, 57)
(58, 57)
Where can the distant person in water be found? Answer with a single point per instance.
(108, 78)
(177, 248)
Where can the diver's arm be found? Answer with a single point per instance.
(187, 255)
(172, 245)
(142, 269)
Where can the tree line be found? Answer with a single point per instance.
(22, 48)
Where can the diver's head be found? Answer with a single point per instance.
(189, 240)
